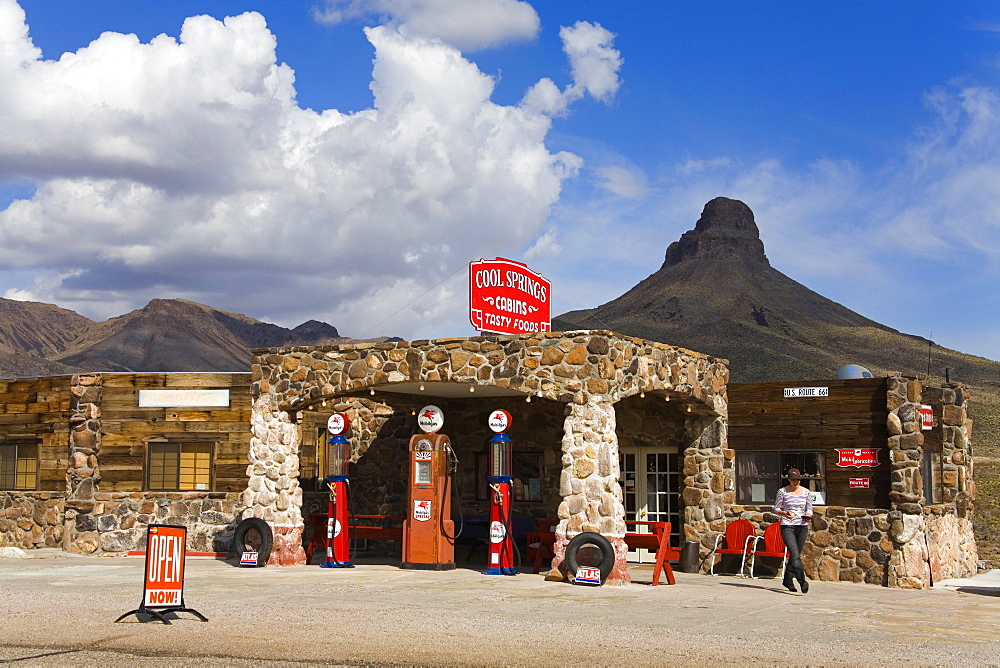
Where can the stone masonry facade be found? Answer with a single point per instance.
(587, 371)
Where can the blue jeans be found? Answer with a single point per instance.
(795, 540)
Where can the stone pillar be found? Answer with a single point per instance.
(908, 566)
(905, 444)
(273, 493)
(592, 497)
(708, 484)
(83, 474)
(956, 452)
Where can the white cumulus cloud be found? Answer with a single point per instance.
(470, 25)
(185, 168)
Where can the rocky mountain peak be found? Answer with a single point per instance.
(725, 231)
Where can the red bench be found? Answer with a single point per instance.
(541, 545)
(374, 527)
(658, 540)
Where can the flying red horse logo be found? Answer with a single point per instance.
(430, 415)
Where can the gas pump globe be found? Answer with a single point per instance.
(501, 559)
(338, 461)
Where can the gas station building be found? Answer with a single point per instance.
(605, 428)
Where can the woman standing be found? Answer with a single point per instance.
(795, 507)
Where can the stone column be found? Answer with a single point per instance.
(708, 483)
(592, 497)
(273, 493)
(908, 563)
(83, 475)
(905, 444)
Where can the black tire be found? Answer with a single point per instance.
(598, 541)
(253, 534)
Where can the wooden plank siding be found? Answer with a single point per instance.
(127, 428)
(854, 415)
(36, 410)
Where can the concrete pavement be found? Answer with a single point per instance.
(59, 609)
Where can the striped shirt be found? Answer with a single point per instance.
(800, 505)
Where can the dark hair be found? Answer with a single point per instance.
(793, 474)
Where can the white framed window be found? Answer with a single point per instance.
(760, 473)
(178, 467)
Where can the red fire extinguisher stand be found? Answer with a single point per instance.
(338, 541)
(501, 559)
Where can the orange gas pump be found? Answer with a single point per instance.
(428, 531)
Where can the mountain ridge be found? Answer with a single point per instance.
(165, 335)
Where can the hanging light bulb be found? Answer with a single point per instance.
(527, 399)
(472, 388)
(642, 395)
(372, 392)
(689, 409)
(413, 412)
(324, 403)
(666, 398)
(421, 387)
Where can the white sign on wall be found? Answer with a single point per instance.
(798, 392)
(182, 398)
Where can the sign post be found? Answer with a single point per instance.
(163, 586)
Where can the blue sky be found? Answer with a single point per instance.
(264, 164)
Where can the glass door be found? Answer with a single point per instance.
(650, 480)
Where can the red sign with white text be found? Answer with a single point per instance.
(857, 457)
(505, 297)
(859, 483)
(165, 552)
(926, 417)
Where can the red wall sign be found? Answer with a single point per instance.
(505, 297)
(857, 457)
(859, 483)
(164, 586)
(926, 417)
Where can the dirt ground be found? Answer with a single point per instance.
(57, 609)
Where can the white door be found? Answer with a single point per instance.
(650, 480)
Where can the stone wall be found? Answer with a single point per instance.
(878, 546)
(849, 544)
(115, 523)
(31, 520)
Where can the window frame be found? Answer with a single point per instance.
(815, 482)
(932, 471)
(178, 471)
(18, 474)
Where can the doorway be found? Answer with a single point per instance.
(651, 481)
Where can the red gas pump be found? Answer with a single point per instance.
(428, 531)
(338, 541)
(501, 542)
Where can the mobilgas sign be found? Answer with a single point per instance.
(857, 457)
(505, 297)
(499, 420)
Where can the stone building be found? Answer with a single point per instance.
(606, 428)
(89, 460)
